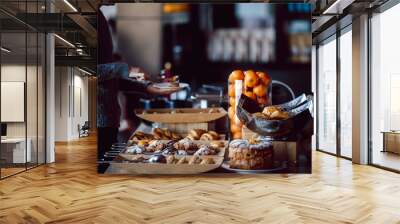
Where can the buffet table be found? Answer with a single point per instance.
(251, 136)
(285, 151)
(391, 141)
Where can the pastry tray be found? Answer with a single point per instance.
(279, 167)
(163, 168)
(183, 115)
(131, 156)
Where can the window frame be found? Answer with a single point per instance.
(381, 9)
(333, 37)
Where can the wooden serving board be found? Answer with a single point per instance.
(163, 168)
(185, 115)
(133, 157)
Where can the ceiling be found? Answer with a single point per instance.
(79, 27)
(73, 20)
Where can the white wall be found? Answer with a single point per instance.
(16, 73)
(61, 103)
(33, 127)
(71, 94)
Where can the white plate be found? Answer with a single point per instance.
(162, 168)
(278, 167)
(167, 85)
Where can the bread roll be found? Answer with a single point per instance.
(206, 137)
(215, 135)
(196, 133)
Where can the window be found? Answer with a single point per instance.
(22, 77)
(346, 93)
(385, 89)
(326, 136)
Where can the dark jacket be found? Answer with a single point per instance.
(111, 79)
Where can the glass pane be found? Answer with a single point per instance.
(385, 84)
(346, 94)
(31, 98)
(41, 99)
(13, 84)
(327, 97)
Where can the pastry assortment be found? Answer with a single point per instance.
(147, 146)
(197, 148)
(251, 154)
(183, 147)
(255, 85)
(273, 113)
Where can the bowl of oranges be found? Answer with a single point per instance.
(254, 84)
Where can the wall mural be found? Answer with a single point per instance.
(184, 90)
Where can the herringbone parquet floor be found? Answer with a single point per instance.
(70, 191)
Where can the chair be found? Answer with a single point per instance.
(84, 130)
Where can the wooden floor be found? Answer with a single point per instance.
(70, 191)
(386, 159)
(5, 172)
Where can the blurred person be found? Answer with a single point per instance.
(113, 83)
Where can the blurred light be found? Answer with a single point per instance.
(5, 50)
(175, 7)
(337, 7)
(84, 71)
(64, 40)
(70, 5)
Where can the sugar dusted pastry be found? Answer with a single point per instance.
(135, 149)
(206, 150)
(185, 144)
(181, 153)
(155, 145)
